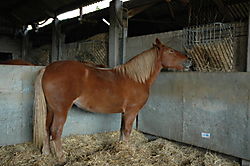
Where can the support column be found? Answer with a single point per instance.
(245, 163)
(56, 41)
(25, 42)
(124, 36)
(115, 11)
(61, 48)
(248, 45)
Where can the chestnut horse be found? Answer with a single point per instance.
(16, 62)
(122, 89)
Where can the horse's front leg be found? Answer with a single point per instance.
(126, 125)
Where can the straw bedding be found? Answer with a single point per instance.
(104, 150)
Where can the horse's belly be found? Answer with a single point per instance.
(98, 105)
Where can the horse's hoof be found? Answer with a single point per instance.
(61, 161)
(45, 151)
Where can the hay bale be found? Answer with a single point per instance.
(103, 149)
(211, 57)
(93, 49)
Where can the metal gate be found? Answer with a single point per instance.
(210, 46)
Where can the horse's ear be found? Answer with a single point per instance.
(158, 42)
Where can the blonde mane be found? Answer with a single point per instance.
(140, 67)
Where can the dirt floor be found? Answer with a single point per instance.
(105, 150)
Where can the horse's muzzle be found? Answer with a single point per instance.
(187, 64)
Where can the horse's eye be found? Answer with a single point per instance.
(171, 51)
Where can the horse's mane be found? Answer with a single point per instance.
(140, 67)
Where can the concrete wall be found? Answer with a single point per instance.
(182, 106)
(136, 45)
(16, 100)
(11, 45)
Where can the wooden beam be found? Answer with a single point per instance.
(124, 37)
(137, 10)
(47, 9)
(223, 10)
(57, 41)
(114, 31)
(25, 43)
(245, 162)
(170, 9)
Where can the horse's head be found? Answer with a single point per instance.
(172, 59)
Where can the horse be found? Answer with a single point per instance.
(16, 62)
(91, 64)
(123, 89)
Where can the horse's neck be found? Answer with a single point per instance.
(143, 68)
(155, 73)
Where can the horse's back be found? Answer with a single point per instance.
(97, 90)
(65, 82)
(16, 62)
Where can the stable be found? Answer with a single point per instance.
(207, 107)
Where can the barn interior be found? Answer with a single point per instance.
(144, 17)
(212, 99)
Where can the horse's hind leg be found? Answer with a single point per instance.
(46, 142)
(126, 125)
(56, 129)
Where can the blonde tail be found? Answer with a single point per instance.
(39, 112)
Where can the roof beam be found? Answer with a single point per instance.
(170, 9)
(223, 10)
(137, 10)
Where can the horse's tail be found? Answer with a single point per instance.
(39, 112)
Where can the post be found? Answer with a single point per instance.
(248, 45)
(24, 44)
(245, 163)
(124, 36)
(114, 32)
(56, 41)
(61, 47)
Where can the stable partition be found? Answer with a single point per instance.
(208, 110)
(16, 101)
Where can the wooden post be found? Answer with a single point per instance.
(114, 32)
(24, 44)
(124, 36)
(61, 47)
(245, 163)
(56, 37)
(248, 45)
